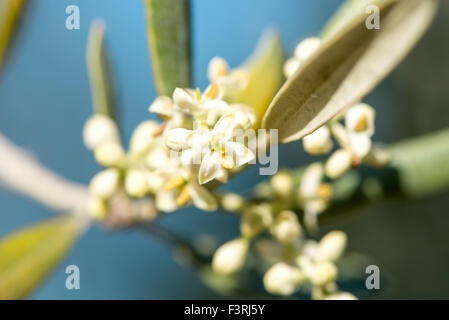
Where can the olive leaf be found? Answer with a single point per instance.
(27, 256)
(168, 34)
(100, 78)
(264, 68)
(9, 15)
(350, 63)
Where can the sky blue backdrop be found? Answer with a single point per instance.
(45, 99)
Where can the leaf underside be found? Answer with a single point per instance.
(347, 67)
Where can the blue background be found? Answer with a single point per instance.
(45, 99)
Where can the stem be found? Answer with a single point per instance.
(21, 173)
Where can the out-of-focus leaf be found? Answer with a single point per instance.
(347, 12)
(423, 164)
(100, 80)
(9, 14)
(27, 256)
(168, 34)
(347, 67)
(265, 75)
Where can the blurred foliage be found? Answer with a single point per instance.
(100, 77)
(168, 33)
(10, 11)
(30, 254)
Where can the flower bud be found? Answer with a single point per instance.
(360, 119)
(105, 183)
(231, 256)
(332, 246)
(110, 154)
(286, 227)
(338, 163)
(290, 67)
(311, 180)
(283, 279)
(324, 273)
(217, 68)
(143, 137)
(99, 129)
(163, 106)
(255, 220)
(232, 202)
(306, 48)
(136, 183)
(282, 183)
(318, 142)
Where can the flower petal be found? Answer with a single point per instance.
(360, 144)
(178, 139)
(184, 99)
(241, 154)
(201, 197)
(209, 167)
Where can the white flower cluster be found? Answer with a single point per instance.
(201, 138)
(293, 260)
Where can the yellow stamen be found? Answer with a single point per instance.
(213, 91)
(227, 161)
(173, 182)
(183, 197)
(362, 124)
(325, 191)
(216, 138)
(198, 95)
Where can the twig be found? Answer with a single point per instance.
(21, 173)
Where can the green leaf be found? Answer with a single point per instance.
(349, 65)
(27, 256)
(100, 79)
(168, 34)
(265, 76)
(10, 11)
(422, 164)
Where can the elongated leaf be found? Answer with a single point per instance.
(265, 76)
(347, 67)
(168, 33)
(27, 256)
(9, 14)
(100, 80)
(422, 164)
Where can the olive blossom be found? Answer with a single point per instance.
(212, 149)
(231, 256)
(231, 81)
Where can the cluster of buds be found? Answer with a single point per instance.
(201, 139)
(292, 260)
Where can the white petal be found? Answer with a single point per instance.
(99, 129)
(184, 99)
(241, 154)
(332, 246)
(311, 180)
(201, 197)
(209, 167)
(166, 201)
(178, 139)
(231, 256)
(283, 279)
(213, 92)
(360, 144)
(319, 142)
(191, 156)
(338, 163)
(142, 137)
(360, 118)
(217, 68)
(162, 105)
(225, 125)
(105, 183)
